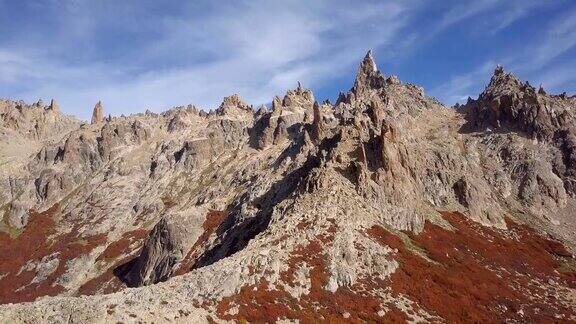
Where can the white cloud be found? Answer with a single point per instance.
(199, 52)
(256, 48)
(532, 63)
(459, 87)
(560, 37)
(466, 10)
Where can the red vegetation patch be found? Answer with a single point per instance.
(477, 274)
(119, 252)
(262, 303)
(122, 246)
(33, 245)
(213, 220)
(106, 283)
(481, 274)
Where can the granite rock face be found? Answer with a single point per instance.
(304, 211)
(507, 104)
(160, 255)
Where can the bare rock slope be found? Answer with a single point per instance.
(386, 206)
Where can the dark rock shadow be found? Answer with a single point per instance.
(373, 149)
(237, 230)
(481, 121)
(122, 272)
(256, 132)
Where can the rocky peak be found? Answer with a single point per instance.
(298, 97)
(499, 70)
(276, 104)
(326, 206)
(368, 76)
(502, 82)
(98, 113)
(233, 104)
(368, 64)
(54, 106)
(541, 90)
(518, 106)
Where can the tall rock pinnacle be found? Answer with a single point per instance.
(53, 105)
(317, 124)
(368, 76)
(368, 62)
(97, 113)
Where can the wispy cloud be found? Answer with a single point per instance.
(256, 48)
(532, 61)
(459, 87)
(148, 54)
(560, 78)
(560, 37)
(465, 10)
(490, 15)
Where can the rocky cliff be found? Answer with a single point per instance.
(386, 206)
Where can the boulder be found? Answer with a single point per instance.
(161, 254)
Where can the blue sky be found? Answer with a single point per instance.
(143, 54)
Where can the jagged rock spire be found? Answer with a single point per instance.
(368, 62)
(54, 105)
(541, 90)
(368, 76)
(499, 70)
(98, 113)
(276, 104)
(232, 104)
(317, 124)
(501, 81)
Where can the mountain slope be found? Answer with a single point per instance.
(387, 206)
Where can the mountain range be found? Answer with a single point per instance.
(385, 206)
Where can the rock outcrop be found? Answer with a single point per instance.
(509, 104)
(368, 77)
(381, 208)
(318, 131)
(234, 106)
(285, 120)
(160, 255)
(97, 113)
(54, 106)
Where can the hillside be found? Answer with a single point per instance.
(386, 206)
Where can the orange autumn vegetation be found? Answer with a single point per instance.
(213, 220)
(480, 274)
(33, 244)
(115, 254)
(477, 274)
